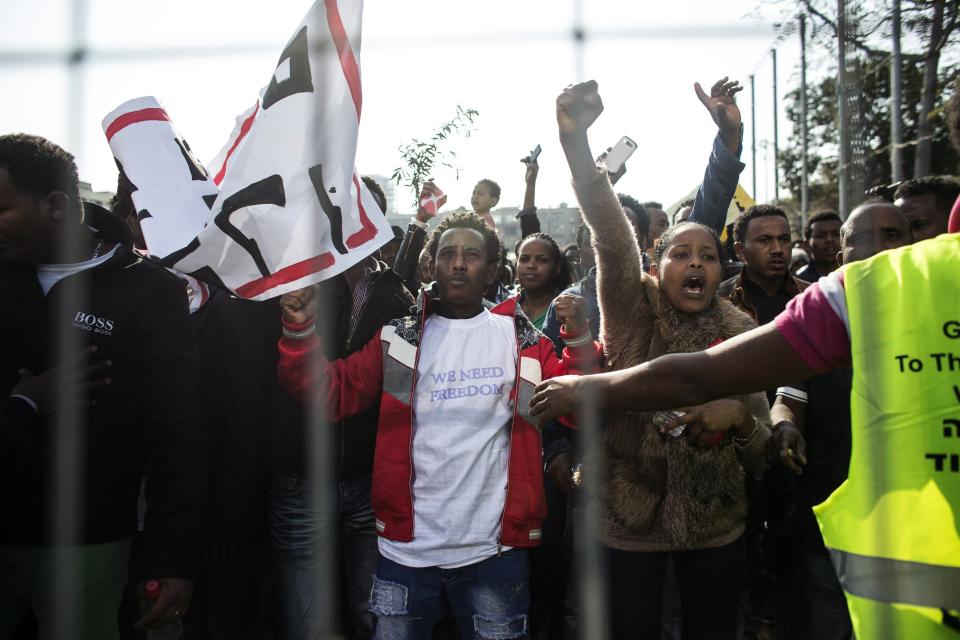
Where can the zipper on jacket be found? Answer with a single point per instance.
(516, 392)
(413, 389)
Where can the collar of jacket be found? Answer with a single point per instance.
(429, 296)
(106, 225)
(527, 334)
(791, 285)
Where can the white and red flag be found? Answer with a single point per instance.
(291, 209)
(171, 191)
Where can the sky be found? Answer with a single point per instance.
(206, 62)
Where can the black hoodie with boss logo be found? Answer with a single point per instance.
(145, 422)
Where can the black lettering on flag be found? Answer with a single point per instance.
(300, 80)
(197, 172)
(266, 191)
(124, 182)
(333, 212)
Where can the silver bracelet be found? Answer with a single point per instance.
(745, 441)
(298, 335)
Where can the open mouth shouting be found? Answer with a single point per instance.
(693, 286)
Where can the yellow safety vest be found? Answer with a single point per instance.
(892, 526)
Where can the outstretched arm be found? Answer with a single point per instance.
(723, 167)
(747, 363)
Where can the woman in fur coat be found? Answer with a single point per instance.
(664, 493)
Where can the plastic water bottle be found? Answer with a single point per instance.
(174, 630)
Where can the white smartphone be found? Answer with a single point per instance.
(619, 154)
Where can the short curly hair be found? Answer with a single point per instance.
(466, 220)
(944, 189)
(756, 211)
(377, 192)
(820, 216)
(643, 218)
(492, 186)
(37, 166)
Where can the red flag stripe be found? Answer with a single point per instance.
(133, 117)
(288, 274)
(244, 130)
(368, 230)
(347, 60)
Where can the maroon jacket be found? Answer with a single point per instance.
(386, 369)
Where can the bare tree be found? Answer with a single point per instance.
(937, 36)
(935, 25)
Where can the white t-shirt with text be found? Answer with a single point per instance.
(461, 441)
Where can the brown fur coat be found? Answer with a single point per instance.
(659, 494)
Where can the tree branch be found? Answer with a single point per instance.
(813, 11)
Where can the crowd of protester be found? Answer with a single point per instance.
(394, 452)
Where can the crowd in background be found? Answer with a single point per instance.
(361, 458)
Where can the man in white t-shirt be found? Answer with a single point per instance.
(457, 480)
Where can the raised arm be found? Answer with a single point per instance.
(624, 308)
(723, 167)
(408, 257)
(341, 387)
(529, 222)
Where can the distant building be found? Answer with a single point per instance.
(560, 223)
(99, 197)
(389, 190)
(399, 220)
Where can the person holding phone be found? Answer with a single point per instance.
(664, 497)
(529, 222)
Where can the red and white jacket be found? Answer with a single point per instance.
(386, 368)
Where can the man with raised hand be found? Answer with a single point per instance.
(457, 481)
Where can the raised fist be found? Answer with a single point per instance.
(578, 106)
(300, 305)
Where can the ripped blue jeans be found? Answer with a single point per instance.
(490, 598)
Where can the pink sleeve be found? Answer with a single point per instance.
(814, 325)
(953, 224)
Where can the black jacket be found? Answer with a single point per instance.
(237, 340)
(146, 421)
(17, 417)
(355, 437)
